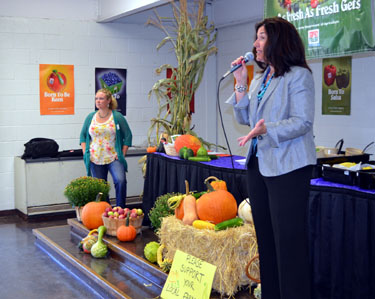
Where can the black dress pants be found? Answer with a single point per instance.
(279, 206)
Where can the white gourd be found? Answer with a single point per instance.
(244, 211)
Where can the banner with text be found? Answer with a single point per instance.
(56, 89)
(328, 27)
(336, 91)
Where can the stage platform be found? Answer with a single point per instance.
(124, 274)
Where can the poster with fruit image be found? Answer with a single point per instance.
(336, 91)
(56, 88)
(115, 81)
(329, 28)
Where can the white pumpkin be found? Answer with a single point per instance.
(244, 211)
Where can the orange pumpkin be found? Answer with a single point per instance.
(151, 149)
(92, 213)
(217, 206)
(126, 232)
(189, 141)
(216, 183)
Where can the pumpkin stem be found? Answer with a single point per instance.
(208, 183)
(211, 177)
(127, 219)
(99, 196)
(187, 187)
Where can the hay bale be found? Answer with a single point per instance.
(229, 250)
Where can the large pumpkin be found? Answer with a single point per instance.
(92, 213)
(189, 141)
(216, 206)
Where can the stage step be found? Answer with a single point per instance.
(125, 274)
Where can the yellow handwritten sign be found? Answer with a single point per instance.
(189, 278)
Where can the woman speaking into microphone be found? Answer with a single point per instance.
(279, 109)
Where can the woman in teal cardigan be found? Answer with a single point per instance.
(105, 139)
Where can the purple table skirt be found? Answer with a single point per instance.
(324, 183)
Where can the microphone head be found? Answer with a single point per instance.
(249, 56)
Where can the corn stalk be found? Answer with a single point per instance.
(193, 42)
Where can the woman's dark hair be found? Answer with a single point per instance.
(284, 47)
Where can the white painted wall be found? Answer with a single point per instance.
(357, 129)
(38, 32)
(26, 42)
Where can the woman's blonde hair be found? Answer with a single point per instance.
(113, 103)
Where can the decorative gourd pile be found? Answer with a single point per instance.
(215, 209)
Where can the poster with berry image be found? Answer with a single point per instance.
(115, 81)
(329, 28)
(336, 89)
(56, 89)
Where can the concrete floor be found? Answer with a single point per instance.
(26, 271)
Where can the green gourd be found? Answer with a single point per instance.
(99, 249)
(234, 222)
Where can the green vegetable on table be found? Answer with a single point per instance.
(150, 251)
(185, 153)
(200, 159)
(99, 249)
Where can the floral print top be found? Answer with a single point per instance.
(102, 145)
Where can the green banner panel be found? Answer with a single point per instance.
(329, 27)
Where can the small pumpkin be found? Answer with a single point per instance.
(92, 212)
(126, 232)
(189, 141)
(216, 183)
(216, 206)
(151, 149)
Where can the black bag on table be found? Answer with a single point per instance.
(40, 147)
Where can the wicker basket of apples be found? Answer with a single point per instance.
(114, 217)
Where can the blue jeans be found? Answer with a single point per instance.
(118, 174)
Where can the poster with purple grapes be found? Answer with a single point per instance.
(115, 81)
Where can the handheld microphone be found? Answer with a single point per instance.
(249, 56)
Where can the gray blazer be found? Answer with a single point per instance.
(288, 110)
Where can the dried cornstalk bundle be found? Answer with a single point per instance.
(229, 250)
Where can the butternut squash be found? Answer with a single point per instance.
(190, 207)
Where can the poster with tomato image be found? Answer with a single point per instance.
(56, 88)
(336, 91)
(328, 28)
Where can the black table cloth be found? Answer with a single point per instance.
(341, 221)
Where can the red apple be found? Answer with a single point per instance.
(105, 214)
(133, 215)
(122, 216)
(120, 211)
(108, 209)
